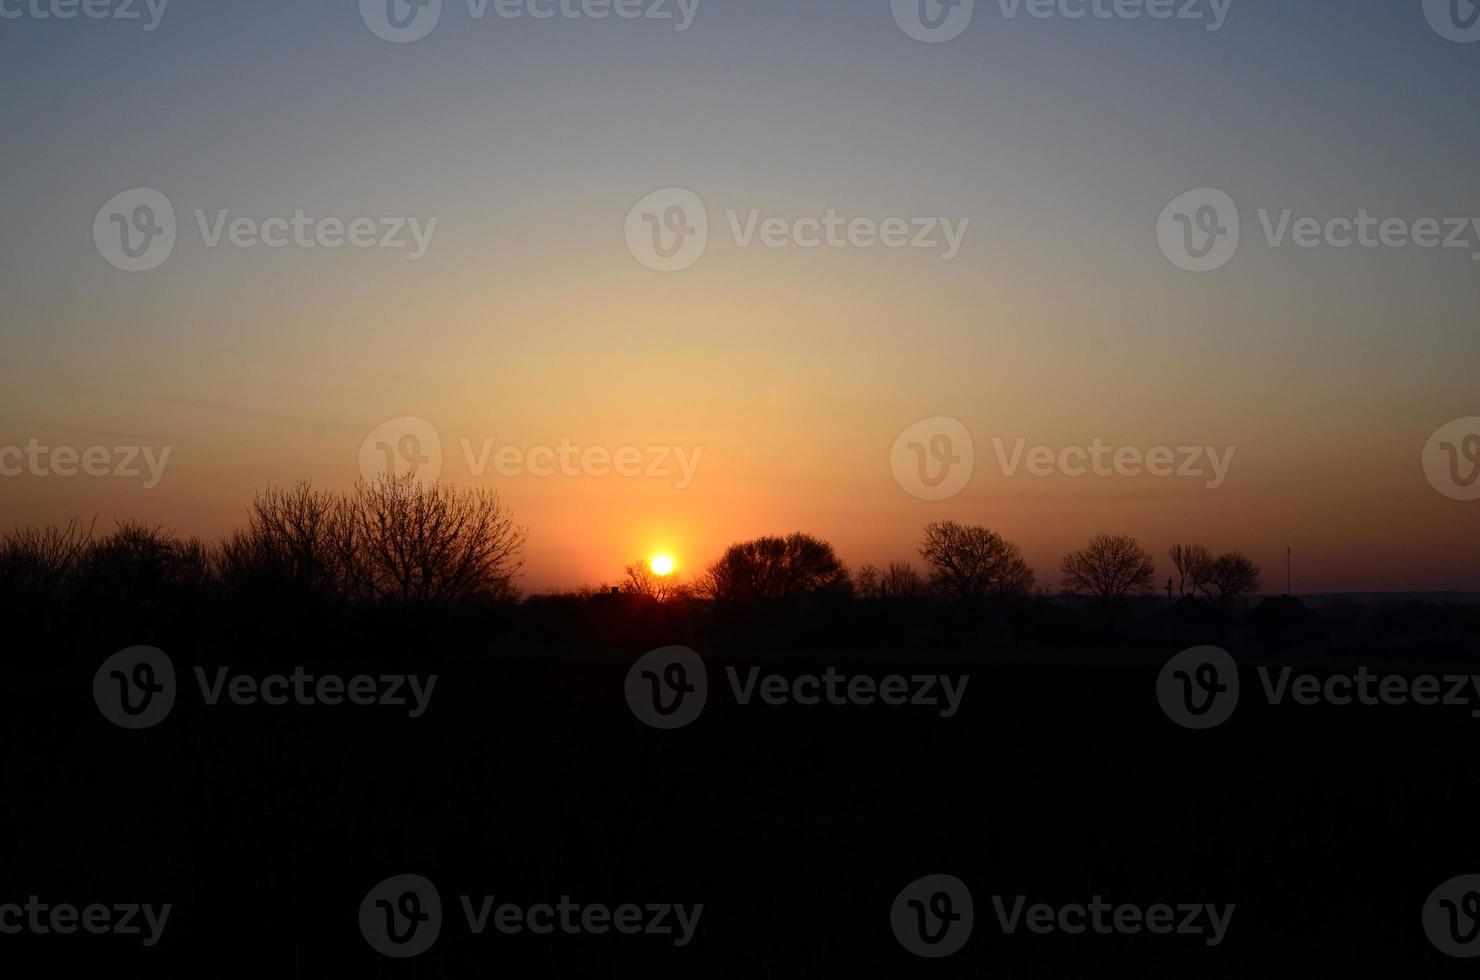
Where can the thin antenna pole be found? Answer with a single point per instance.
(1289, 577)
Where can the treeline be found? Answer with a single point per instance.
(962, 562)
(399, 544)
(385, 543)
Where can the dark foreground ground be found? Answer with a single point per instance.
(530, 777)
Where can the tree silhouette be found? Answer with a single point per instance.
(1193, 563)
(970, 562)
(39, 565)
(640, 579)
(425, 543)
(297, 539)
(901, 581)
(1232, 574)
(776, 568)
(1111, 566)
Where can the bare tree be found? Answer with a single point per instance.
(1193, 563)
(424, 543)
(297, 538)
(776, 568)
(969, 562)
(901, 581)
(1232, 574)
(37, 565)
(866, 582)
(640, 579)
(1113, 565)
(139, 568)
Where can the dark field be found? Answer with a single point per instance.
(529, 778)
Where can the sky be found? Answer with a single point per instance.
(786, 376)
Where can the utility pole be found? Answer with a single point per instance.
(1289, 578)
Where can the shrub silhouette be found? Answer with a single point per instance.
(971, 562)
(776, 568)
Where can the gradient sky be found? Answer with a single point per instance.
(528, 321)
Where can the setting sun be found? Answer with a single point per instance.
(661, 565)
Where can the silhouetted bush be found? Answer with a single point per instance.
(776, 568)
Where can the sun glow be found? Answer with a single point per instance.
(661, 565)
